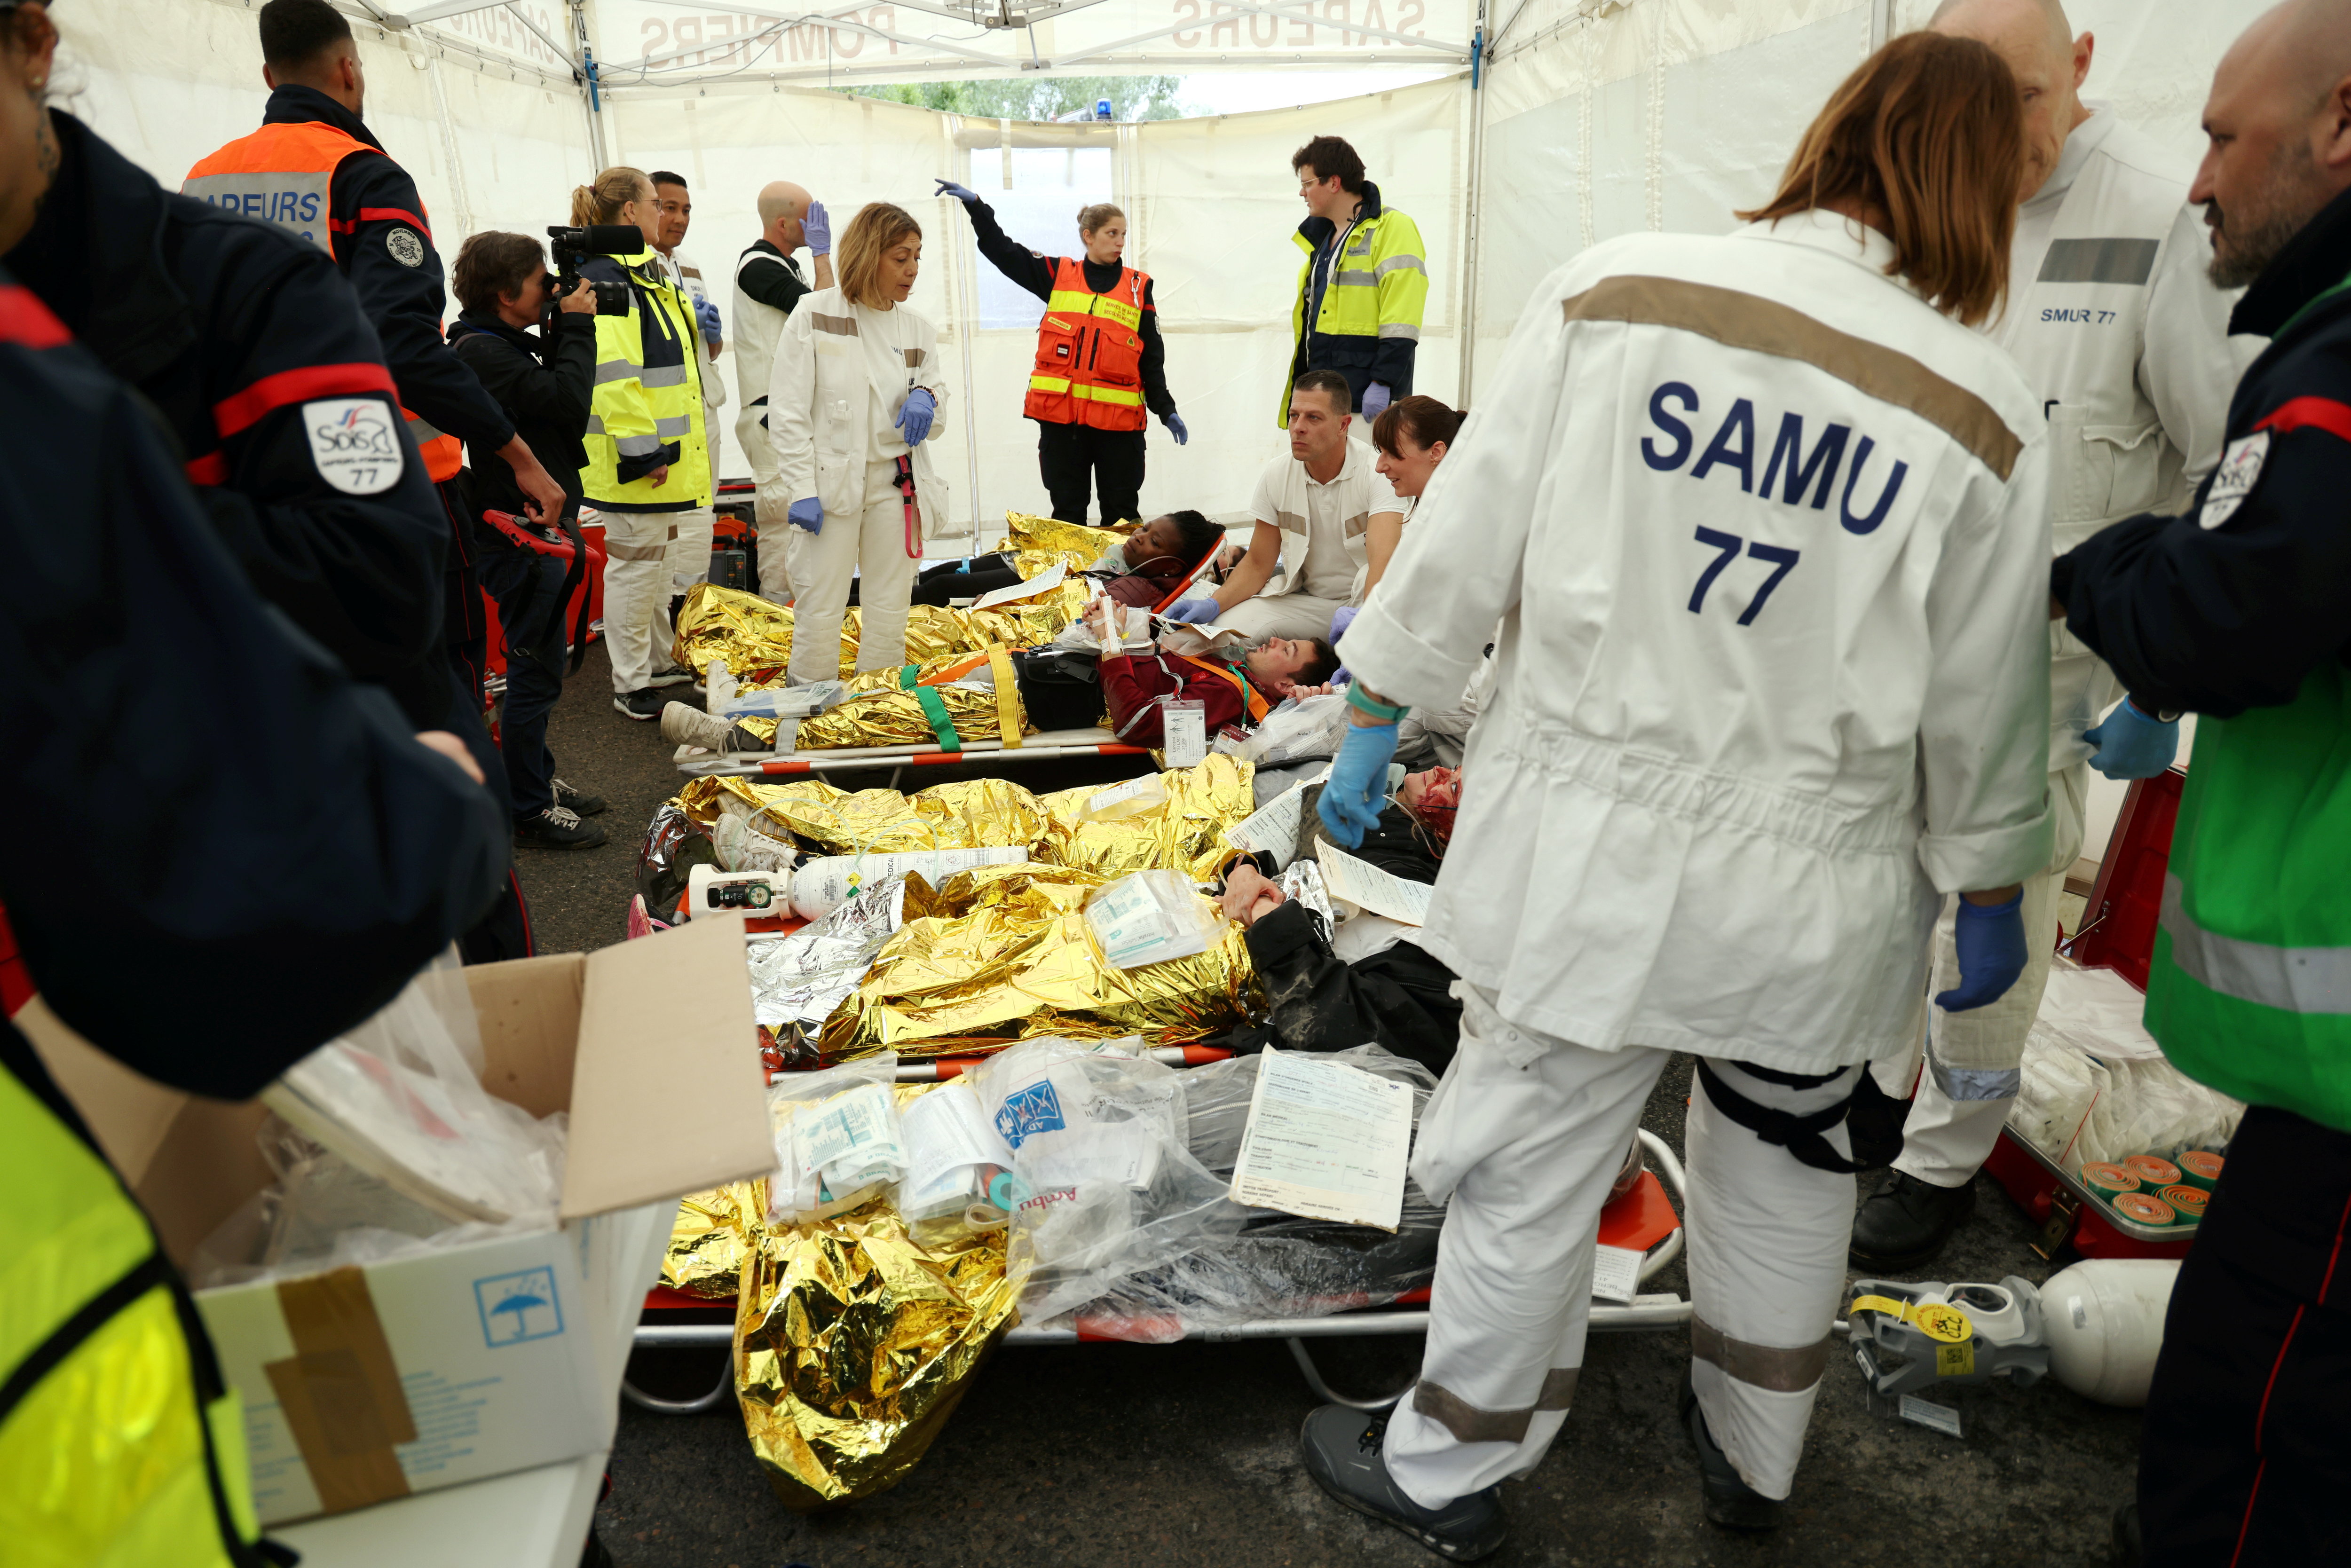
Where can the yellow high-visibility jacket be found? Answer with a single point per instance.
(647, 409)
(1368, 327)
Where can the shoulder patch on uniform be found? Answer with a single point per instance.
(356, 444)
(407, 248)
(2233, 480)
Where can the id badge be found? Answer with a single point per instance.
(1183, 729)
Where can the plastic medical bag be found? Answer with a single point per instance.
(1113, 1189)
(1295, 731)
(2095, 1086)
(837, 1139)
(1150, 917)
(400, 1098)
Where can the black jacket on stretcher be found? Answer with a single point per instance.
(231, 328)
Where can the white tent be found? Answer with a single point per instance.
(1562, 122)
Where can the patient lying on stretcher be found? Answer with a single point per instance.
(1235, 685)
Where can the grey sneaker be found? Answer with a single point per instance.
(685, 725)
(641, 705)
(1343, 1455)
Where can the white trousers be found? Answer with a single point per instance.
(870, 547)
(1291, 615)
(688, 562)
(775, 546)
(1528, 1153)
(637, 590)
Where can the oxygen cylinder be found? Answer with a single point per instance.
(2105, 1321)
(821, 886)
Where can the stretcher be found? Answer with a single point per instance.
(1052, 744)
(1647, 1219)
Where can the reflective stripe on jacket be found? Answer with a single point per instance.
(285, 173)
(1088, 367)
(648, 405)
(110, 1451)
(1368, 327)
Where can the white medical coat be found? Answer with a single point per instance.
(685, 273)
(1768, 541)
(2115, 322)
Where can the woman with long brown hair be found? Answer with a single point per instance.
(851, 406)
(1763, 523)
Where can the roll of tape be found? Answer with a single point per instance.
(2187, 1202)
(2153, 1170)
(2144, 1208)
(2200, 1167)
(2108, 1180)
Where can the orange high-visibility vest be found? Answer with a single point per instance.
(285, 174)
(1088, 367)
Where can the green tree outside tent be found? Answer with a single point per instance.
(1034, 98)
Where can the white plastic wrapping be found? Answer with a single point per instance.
(2095, 1085)
(1295, 731)
(1150, 917)
(838, 1140)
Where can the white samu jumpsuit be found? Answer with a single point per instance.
(1767, 538)
(2126, 344)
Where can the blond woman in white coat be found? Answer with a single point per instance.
(1765, 524)
(853, 406)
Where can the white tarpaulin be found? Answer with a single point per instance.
(1591, 117)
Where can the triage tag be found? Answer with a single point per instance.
(1184, 730)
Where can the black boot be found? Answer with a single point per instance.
(1343, 1455)
(2128, 1549)
(1730, 1502)
(1907, 1221)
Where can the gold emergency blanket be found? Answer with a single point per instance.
(854, 1343)
(1186, 834)
(1038, 544)
(1000, 954)
(974, 813)
(713, 1234)
(881, 714)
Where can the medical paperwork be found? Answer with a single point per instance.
(1325, 1140)
(1043, 582)
(1273, 828)
(1367, 887)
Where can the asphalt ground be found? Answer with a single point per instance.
(1188, 1454)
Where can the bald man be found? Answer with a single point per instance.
(767, 283)
(2126, 341)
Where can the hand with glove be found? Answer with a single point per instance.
(706, 311)
(1175, 424)
(1376, 398)
(1342, 620)
(2132, 744)
(1990, 939)
(816, 229)
(808, 513)
(1357, 789)
(963, 193)
(914, 418)
(1193, 612)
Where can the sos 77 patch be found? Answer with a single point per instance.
(356, 444)
(2233, 480)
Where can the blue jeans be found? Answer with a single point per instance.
(528, 590)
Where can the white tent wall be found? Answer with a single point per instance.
(1604, 116)
(493, 140)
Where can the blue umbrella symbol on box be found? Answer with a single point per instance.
(519, 1304)
(507, 1319)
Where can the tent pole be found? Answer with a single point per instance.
(1472, 234)
(967, 303)
(1881, 23)
(594, 96)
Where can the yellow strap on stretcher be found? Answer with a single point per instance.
(1955, 1351)
(1008, 697)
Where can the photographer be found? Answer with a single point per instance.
(543, 379)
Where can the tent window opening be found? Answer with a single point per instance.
(1049, 185)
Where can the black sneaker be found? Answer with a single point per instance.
(1730, 1502)
(1906, 1222)
(643, 705)
(1343, 1455)
(571, 799)
(558, 828)
(672, 676)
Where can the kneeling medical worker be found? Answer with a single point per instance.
(1752, 720)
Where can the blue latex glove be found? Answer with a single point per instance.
(1376, 398)
(1991, 953)
(1342, 620)
(707, 312)
(914, 419)
(1175, 424)
(2132, 744)
(960, 192)
(1193, 612)
(807, 514)
(1357, 789)
(816, 228)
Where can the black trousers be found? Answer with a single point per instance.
(1074, 458)
(2244, 1454)
(952, 579)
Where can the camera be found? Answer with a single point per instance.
(573, 246)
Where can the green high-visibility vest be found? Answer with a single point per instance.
(2250, 988)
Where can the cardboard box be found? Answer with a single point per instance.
(363, 1384)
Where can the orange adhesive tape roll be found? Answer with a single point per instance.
(2153, 1170)
(2109, 1180)
(2187, 1201)
(2200, 1167)
(2144, 1208)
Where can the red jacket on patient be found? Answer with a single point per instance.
(1133, 686)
